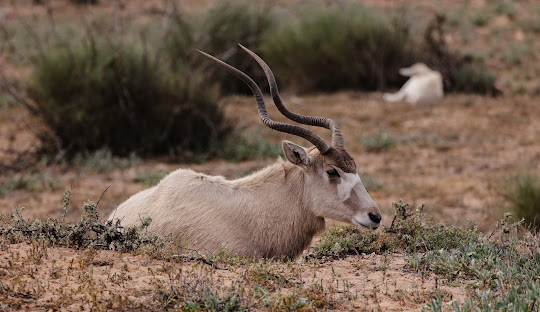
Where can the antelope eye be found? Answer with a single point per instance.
(333, 173)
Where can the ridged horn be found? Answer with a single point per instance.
(307, 134)
(337, 136)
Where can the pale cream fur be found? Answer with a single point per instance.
(424, 86)
(274, 212)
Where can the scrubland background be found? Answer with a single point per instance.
(103, 99)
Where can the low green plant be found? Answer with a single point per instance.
(198, 291)
(150, 178)
(85, 1)
(248, 144)
(6, 100)
(454, 15)
(89, 231)
(435, 305)
(73, 1)
(470, 78)
(522, 194)
(505, 7)
(514, 53)
(482, 17)
(32, 182)
(200, 295)
(370, 183)
(531, 23)
(502, 274)
(411, 231)
(378, 143)
(103, 160)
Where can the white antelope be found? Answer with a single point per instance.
(274, 212)
(424, 86)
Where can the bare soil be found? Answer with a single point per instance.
(65, 279)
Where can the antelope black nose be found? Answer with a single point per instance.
(375, 217)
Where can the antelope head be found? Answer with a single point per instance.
(332, 187)
(415, 69)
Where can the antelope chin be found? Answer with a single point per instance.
(361, 226)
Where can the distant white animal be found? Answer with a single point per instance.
(424, 86)
(274, 212)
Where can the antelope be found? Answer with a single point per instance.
(424, 86)
(274, 212)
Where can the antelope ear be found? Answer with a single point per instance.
(296, 154)
(407, 71)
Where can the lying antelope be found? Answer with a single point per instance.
(274, 212)
(424, 86)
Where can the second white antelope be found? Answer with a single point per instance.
(274, 212)
(424, 86)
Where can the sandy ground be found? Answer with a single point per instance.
(42, 278)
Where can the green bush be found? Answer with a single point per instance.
(89, 231)
(506, 7)
(85, 1)
(531, 23)
(461, 71)
(515, 53)
(411, 231)
(242, 145)
(470, 78)
(33, 182)
(102, 161)
(150, 178)
(523, 195)
(378, 143)
(218, 31)
(95, 95)
(326, 48)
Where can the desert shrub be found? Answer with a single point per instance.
(103, 160)
(506, 7)
(150, 178)
(514, 53)
(379, 142)
(85, 1)
(242, 145)
(531, 23)
(89, 231)
(94, 95)
(218, 31)
(505, 273)
(326, 48)
(32, 182)
(73, 1)
(411, 231)
(523, 196)
(460, 71)
(370, 183)
(6, 100)
(481, 17)
(470, 78)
